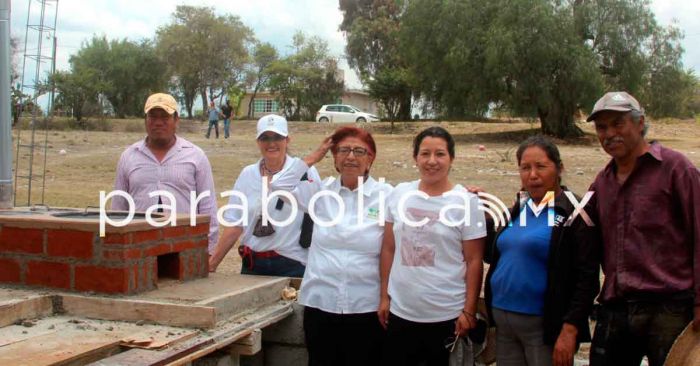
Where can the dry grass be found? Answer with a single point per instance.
(75, 178)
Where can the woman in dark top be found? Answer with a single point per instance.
(543, 273)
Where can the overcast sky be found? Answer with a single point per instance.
(273, 21)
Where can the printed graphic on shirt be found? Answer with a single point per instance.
(417, 245)
(372, 213)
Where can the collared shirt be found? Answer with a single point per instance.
(342, 274)
(285, 239)
(184, 169)
(650, 227)
(213, 113)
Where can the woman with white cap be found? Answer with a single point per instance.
(266, 249)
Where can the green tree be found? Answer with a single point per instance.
(263, 57)
(669, 88)
(544, 58)
(372, 31)
(306, 79)
(16, 95)
(75, 91)
(443, 47)
(125, 72)
(205, 53)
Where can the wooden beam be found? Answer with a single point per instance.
(178, 315)
(248, 345)
(200, 346)
(59, 349)
(36, 307)
(236, 302)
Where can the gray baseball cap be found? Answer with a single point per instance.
(615, 101)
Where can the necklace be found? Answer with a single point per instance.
(264, 168)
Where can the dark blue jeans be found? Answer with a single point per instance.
(626, 332)
(215, 124)
(227, 124)
(274, 266)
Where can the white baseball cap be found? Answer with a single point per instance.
(273, 123)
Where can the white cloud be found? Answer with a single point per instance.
(686, 13)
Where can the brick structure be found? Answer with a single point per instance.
(69, 254)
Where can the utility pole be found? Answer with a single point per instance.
(5, 111)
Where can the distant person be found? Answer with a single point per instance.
(165, 161)
(542, 278)
(647, 206)
(265, 249)
(213, 113)
(430, 264)
(226, 110)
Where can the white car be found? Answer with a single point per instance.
(343, 113)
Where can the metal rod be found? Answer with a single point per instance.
(5, 111)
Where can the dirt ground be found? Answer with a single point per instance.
(87, 166)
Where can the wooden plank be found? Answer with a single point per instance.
(36, 307)
(202, 345)
(248, 345)
(58, 349)
(238, 301)
(153, 340)
(191, 316)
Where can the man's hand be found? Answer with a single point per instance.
(565, 347)
(696, 319)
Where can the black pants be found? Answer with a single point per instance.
(411, 343)
(626, 332)
(342, 339)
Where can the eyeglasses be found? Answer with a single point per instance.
(271, 138)
(358, 151)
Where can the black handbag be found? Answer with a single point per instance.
(307, 224)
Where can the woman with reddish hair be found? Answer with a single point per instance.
(340, 290)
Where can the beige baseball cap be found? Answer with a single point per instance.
(615, 101)
(161, 100)
(273, 123)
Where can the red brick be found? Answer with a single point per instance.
(117, 239)
(70, 243)
(203, 243)
(184, 245)
(9, 271)
(102, 279)
(135, 277)
(144, 236)
(204, 260)
(174, 232)
(157, 250)
(49, 274)
(200, 229)
(14, 239)
(121, 254)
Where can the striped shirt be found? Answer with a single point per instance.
(185, 168)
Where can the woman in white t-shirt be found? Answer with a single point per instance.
(269, 250)
(431, 260)
(340, 290)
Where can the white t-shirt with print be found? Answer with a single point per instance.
(427, 283)
(285, 239)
